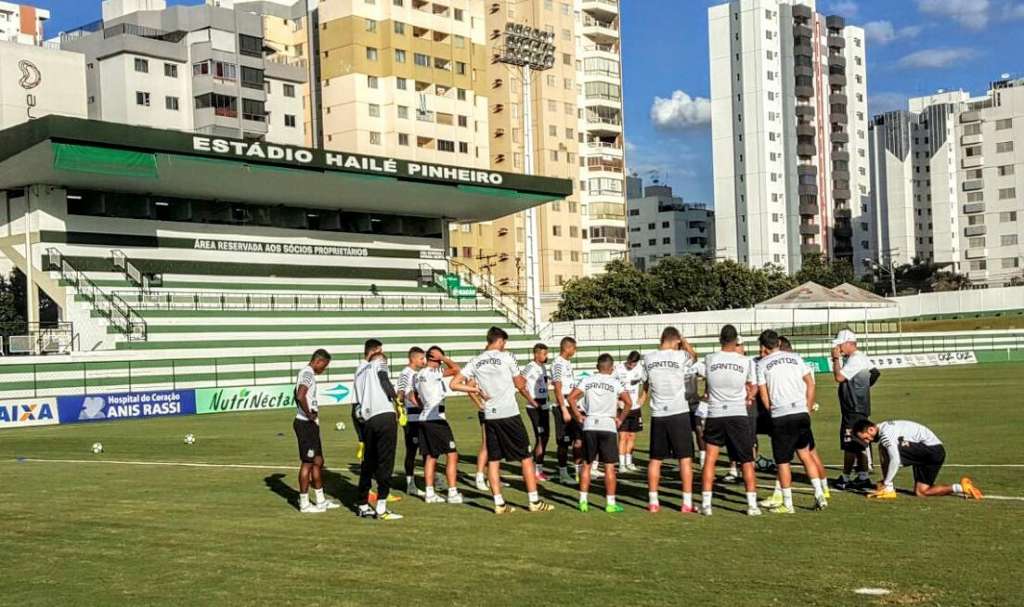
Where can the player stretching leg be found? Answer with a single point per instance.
(731, 383)
(787, 388)
(499, 378)
(630, 374)
(906, 443)
(600, 417)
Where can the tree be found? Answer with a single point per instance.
(827, 273)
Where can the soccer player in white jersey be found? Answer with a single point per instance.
(631, 374)
(906, 443)
(665, 375)
(375, 397)
(307, 432)
(568, 435)
(538, 408)
(406, 388)
(787, 389)
(855, 375)
(498, 380)
(600, 416)
(436, 438)
(731, 383)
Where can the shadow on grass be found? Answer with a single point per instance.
(275, 482)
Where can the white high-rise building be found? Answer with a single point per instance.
(949, 185)
(789, 130)
(22, 23)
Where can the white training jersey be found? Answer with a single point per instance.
(727, 375)
(600, 402)
(407, 385)
(666, 372)
(561, 370)
(536, 375)
(783, 373)
(493, 371)
(631, 380)
(893, 434)
(432, 391)
(368, 392)
(307, 377)
(692, 390)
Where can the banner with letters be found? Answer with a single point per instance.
(259, 398)
(930, 359)
(29, 412)
(126, 405)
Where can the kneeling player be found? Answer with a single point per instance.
(600, 418)
(730, 387)
(631, 375)
(906, 443)
(436, 437)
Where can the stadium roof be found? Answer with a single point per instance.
(811, 295)
(103, 156)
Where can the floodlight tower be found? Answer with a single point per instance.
(531, 50)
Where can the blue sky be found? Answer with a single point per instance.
(914, 48)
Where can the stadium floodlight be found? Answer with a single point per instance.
(532, 50)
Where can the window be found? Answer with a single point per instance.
(459, 41)
(973, 129)
(463, 121)
(254, 110)
(1011, 262)
(403, 139)
(978, 265)
(1006, 170)
(1005, 123)
(652, 242)
(421, 60)
(1008, 217)
(371, 25)
(399, 28)
(374, 137)
(554, 155)
(250, 45)
(170, 70)
(401, 84)
(374, 110)
(460, 68)
(556, 230)
(443, 145)
(171, 103)
(1004, 147)
(371, 82)
(666, 240)
(1008, 240)
(141, 66)
(666, 224)
(289, 120)
(460, 94)
(557, 254)
(142, 98)
(371, 54)
(1007, 193)
(252, 78)
(459, 14)
(977, 242)
(403, 112)
(399, 55)
(463, 147)
(201, 69)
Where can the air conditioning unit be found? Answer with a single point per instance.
(499, 132)
(503, 232)
(503, 257)
(499, 158)
(499, 108)
(498, 83)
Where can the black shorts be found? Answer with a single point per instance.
(671, 437)
(308, 435)
(847, 441)
(733, 433)
(634, 422)
(480, 417)
(764, 420)
(411, 431)
(436, 438)
(566, 433)
(507, 439)
(752, 419)
(540, 419)
(790, 433)
(927, 460)
(602, 447)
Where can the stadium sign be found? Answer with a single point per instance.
(249, 398)
(126, 405)
(931, 359)
(277, 248)
(260, 151)
(29, 412)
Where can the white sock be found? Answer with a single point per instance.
(382, 505)
(498, 500)
(319, 495)
(778, 490)
(576, 470)
(410, 482)
(610, 499)
(622, 459)
(958, 489)
(479, 477)
(824, 483)
(583, 496)
(863, 476)
(452, 491)
(787, 497)
(652, 498)
(752, 499)
(430, 491)
(629, 459)
(533, 497)
(732, 470)
(303, 500)
(816, 483)
(705, 499)
(688, 500)
(594, 467)
(703, 455)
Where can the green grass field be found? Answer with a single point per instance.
(103, 533)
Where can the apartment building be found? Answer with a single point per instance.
(951, 189)
(22, 23)
(789, 131)
(204, 69)
(663, 225)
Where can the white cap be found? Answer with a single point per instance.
(739, 340)
(843, 337)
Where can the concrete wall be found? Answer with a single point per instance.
(54, 83)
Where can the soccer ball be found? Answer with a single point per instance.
(339, 426)
(763, 464)
(97, 448)
(190, 439)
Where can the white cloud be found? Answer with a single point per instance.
(886, 102)
(680, 112)
(972, 14)
(845, 8)
(884, 32)
(936, 58)
(1014, 11)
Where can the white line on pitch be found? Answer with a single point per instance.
(136, 463)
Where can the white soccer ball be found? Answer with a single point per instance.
(816, 407)
(97, 447)
(339, 426)
(190, 439)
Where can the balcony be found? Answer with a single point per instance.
(972, 116)
(971, 139)
(835, 22)
(841, 194)
(803, 70)
(806, 130)
(970, 162)
(806, 149)
(803, 91)
(803, 50)
(601, 31)
(842, 231)
(837, 61)
(598, 100)
(974, 207)
(810, 229)
(807, 189)
(841, 174)
(810, 210)
(802, 12)
(838, 118)
(840, 137)
(802, 31)
(837, 80)
(810, 249)
(842, 213)
(836, 41)
(602, 165)
(980, 253)
(975, 231)
(973, 184)
(805, 111)
(837, 99)
(807, 169)
(606, 9)
(841, 156)
(604, 126)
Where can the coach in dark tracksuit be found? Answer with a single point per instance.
(375, 397)
(855, 374)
